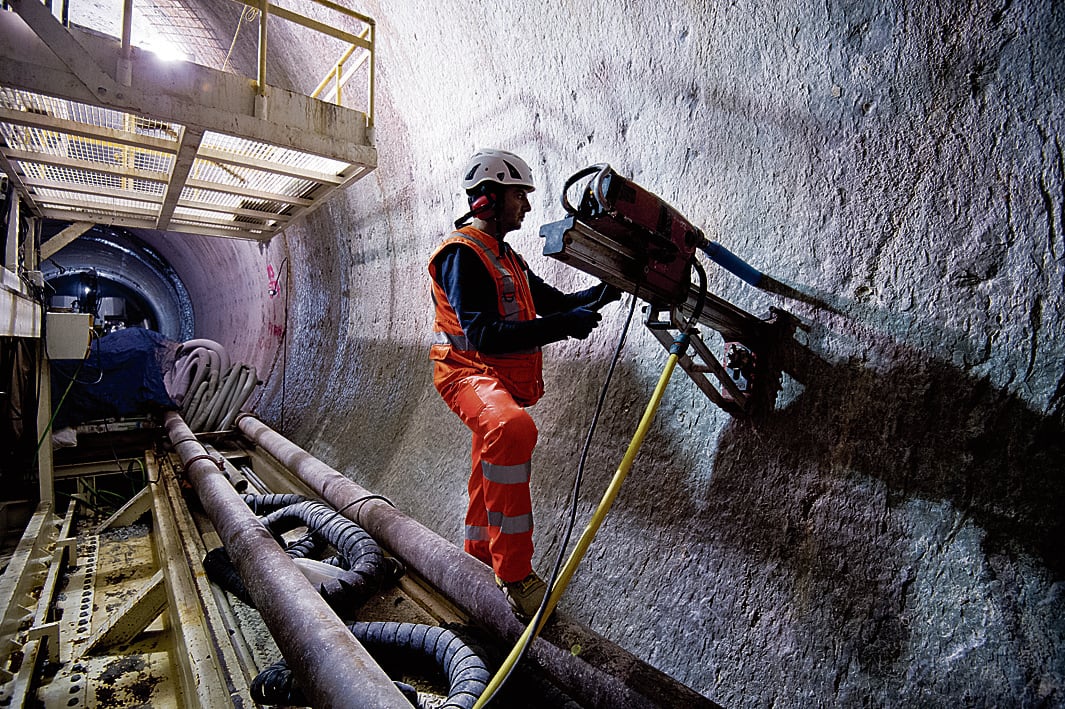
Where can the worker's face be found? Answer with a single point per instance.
(513, 205)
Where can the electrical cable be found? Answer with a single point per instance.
(282, 273)
(74, 378)
(284, 339)
(44, 434)
(574, 499)
(700, 301)
(340, 512)
(246, 13)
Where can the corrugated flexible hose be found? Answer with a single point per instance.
(466, 672)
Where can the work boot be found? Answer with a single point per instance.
(524, 596)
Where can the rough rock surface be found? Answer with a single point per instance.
(891, 533)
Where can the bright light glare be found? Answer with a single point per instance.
(165, 50)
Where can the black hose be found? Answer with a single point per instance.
(700, 302)
(572, 179)
(367, 568)
(220, 570)
(306, 547)
(309, 546)
(263, 504)
(466, 672)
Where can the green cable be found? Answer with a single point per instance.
(37, 451)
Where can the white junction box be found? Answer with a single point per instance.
(67, 335)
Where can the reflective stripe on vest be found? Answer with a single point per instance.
(462, 343)
(508, 298)
(459, 342)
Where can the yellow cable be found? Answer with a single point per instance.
(589, 532)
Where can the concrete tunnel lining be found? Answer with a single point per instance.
(886, 534)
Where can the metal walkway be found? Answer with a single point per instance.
(96, 131)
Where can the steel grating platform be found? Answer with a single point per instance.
(181, 147)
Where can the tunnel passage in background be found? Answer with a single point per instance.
(121, 280)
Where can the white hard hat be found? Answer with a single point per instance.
(496, 166)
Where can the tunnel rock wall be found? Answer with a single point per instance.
(890, 533)
(236, 301)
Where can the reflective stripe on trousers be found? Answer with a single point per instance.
(499, 522)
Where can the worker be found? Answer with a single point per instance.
(492, 317)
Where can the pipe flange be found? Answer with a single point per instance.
(243, 414)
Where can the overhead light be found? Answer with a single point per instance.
(164, 49)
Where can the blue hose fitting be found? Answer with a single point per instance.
(680, 345)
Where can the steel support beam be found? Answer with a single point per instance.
(602, 675)
(189, 143)
(51, 247)
(332, 668)
(208, 675)
(67, 63)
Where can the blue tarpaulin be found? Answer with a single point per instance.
(122, 377)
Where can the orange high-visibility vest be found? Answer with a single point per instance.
(454, 357)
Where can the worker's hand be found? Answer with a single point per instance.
(580, 322)
(606, 294)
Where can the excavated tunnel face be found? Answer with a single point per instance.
(122, 282)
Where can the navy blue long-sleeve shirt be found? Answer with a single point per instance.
(471, 291)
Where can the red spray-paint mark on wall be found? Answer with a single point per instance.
(273, 290)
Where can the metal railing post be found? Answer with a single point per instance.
(373, 62)
(264, 13)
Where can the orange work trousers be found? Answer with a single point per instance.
(499, 522)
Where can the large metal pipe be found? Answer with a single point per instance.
(600, 674)
(332, 668)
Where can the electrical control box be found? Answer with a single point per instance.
(67, 335)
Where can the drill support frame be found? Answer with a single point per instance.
(631, 239)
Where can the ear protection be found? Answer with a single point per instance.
(484, 204)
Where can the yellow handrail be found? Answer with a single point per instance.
(364, 40)
(264, 9)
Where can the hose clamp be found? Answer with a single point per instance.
(244, 414)
(219, 463)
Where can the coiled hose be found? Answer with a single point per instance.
(264, 504)
(365, 568)
(466, 671)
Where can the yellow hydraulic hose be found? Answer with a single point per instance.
(589, 532)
